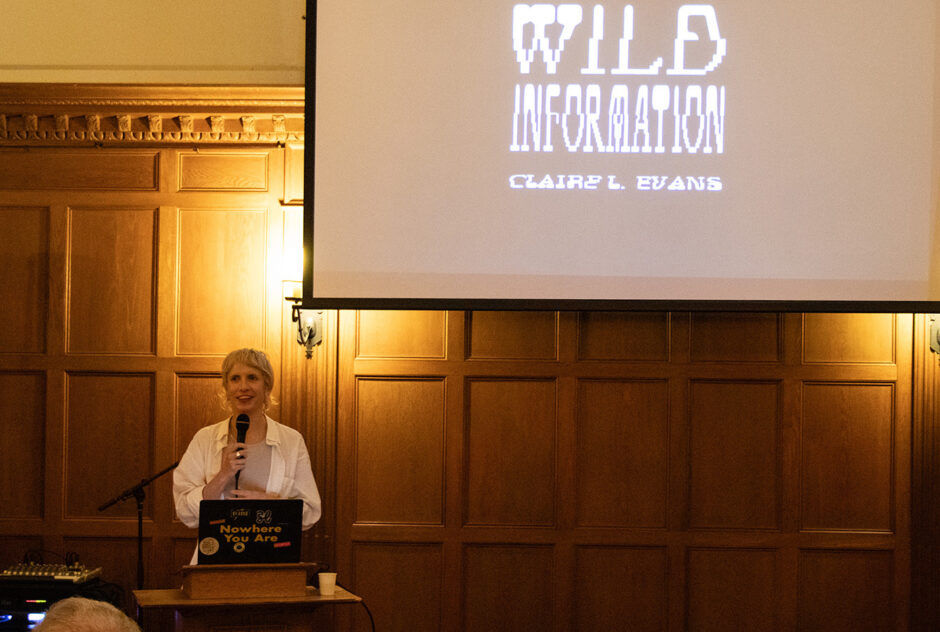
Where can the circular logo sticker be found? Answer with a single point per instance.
(209, 546)
(239, 547)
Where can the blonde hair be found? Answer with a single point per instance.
(77, 614)
(256, 360)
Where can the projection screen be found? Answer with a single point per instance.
(598, 153)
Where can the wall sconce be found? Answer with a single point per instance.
(934, 335)
(309, 327)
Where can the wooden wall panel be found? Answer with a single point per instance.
(846, 591)
(513, 335)
(510, 439)
(198, 404)
(400, 451)
(218, 171)
(292, 251)
(22, 444)
(731, 589)
(402, 585)
(622, 453)
(91, 169)
(728, 337)
(293, 174)
(848, 457)
(623, 336)
(735, 456)
(849, 338)
(112, 275)
(104, 411)
(402, 334)
(507, 588)
(925, 482)
(222, 263)
(24, 277)
(620, 589)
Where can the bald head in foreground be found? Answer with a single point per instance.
(77, 614)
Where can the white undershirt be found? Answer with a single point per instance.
(257, 468)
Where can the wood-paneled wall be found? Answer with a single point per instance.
(479, 470)
(139, 243)
(617, 471)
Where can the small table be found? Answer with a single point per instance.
(247, 613)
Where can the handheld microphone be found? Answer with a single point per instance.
(241, 428)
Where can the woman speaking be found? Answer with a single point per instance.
(270, 462)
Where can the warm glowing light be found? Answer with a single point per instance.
(292, 247)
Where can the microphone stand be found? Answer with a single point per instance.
(137, 491)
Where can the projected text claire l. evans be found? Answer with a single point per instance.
(595, 182)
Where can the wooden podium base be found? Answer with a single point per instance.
(243, 597)
(222, 581)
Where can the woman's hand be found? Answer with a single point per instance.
(233, 461)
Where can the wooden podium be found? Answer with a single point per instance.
(242, 597)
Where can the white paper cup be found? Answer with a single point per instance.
(327, 583)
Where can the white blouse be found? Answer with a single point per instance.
(290, 475)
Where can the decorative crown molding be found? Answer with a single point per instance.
(94, 114)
